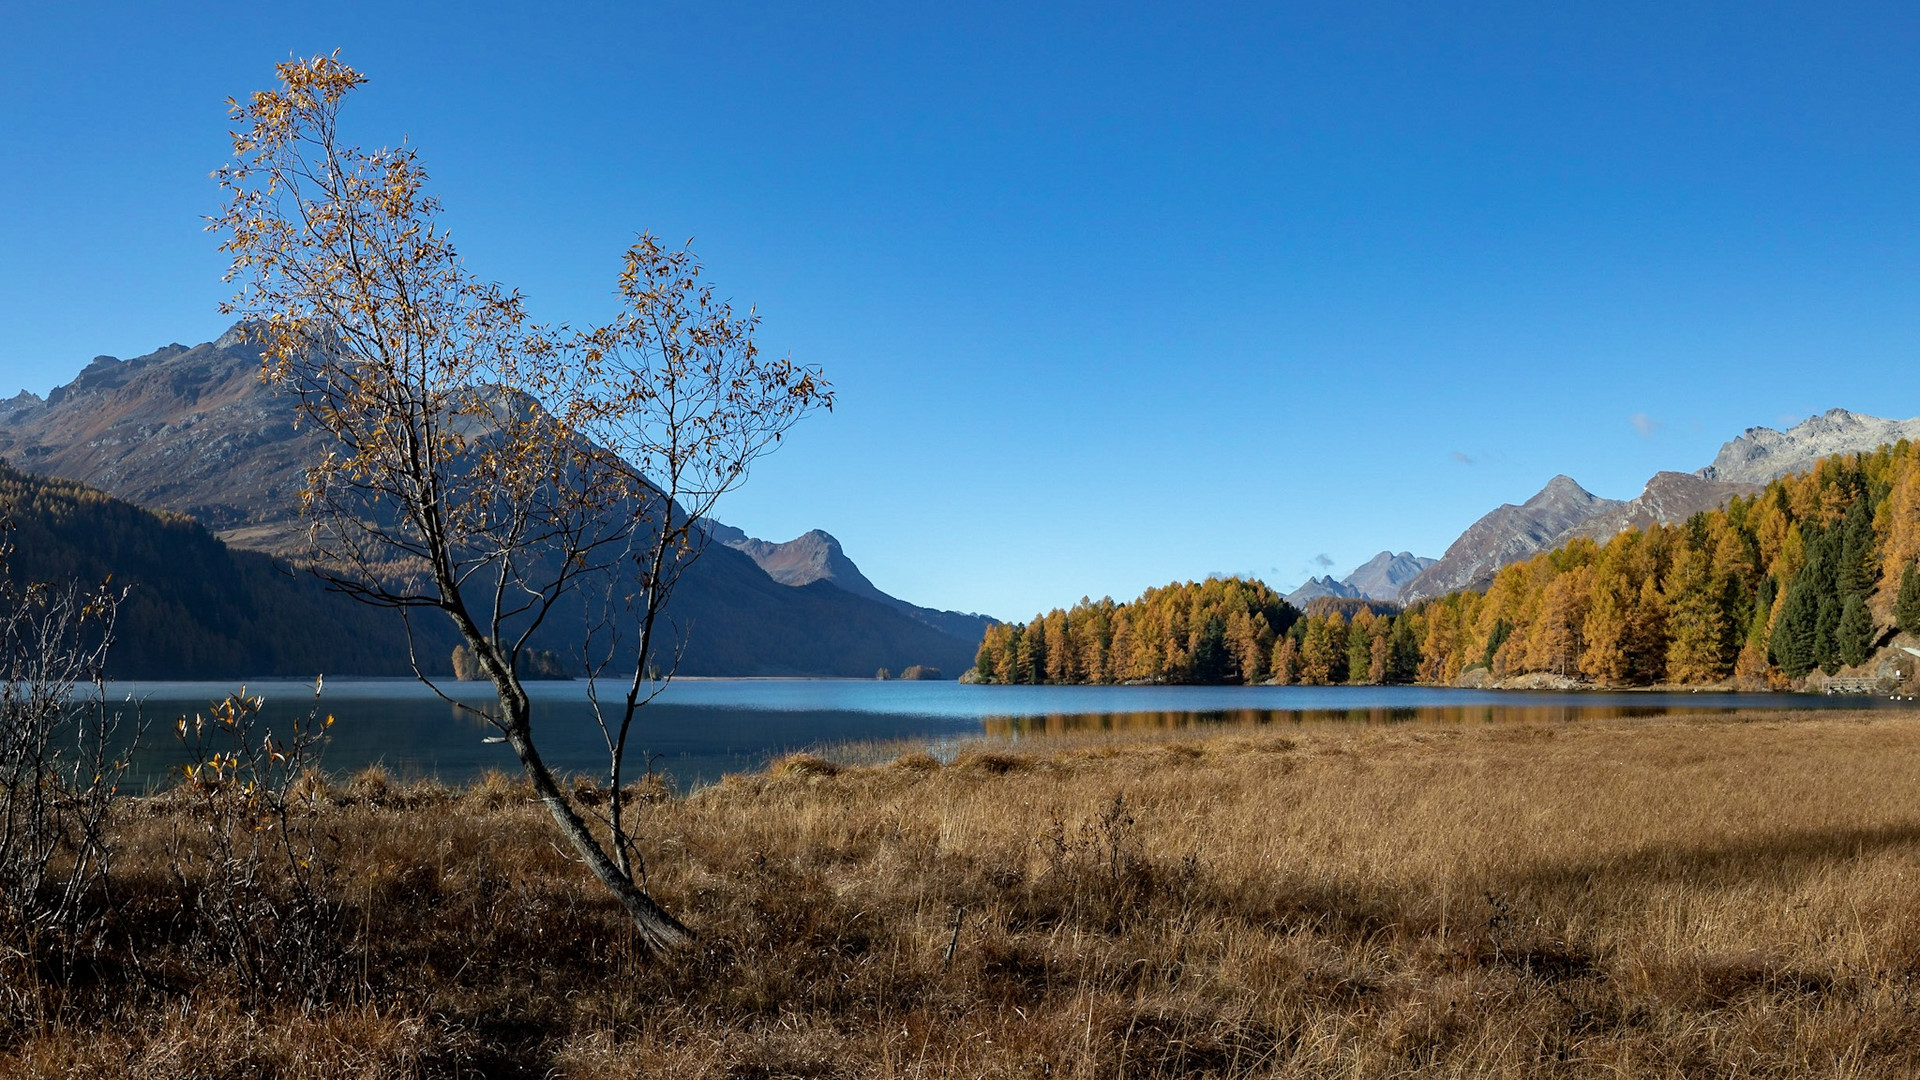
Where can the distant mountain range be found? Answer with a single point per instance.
(194, 431)
(816, 556)
(1563, 510)
(1380, 578)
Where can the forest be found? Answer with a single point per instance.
(194, 608)
(1814, 572)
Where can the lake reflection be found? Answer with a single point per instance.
(701, 729)
(1071, 723)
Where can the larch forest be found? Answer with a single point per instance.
(1814, 572)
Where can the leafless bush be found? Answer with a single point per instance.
(59, 770)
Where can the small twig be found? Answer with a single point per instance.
(953, 943)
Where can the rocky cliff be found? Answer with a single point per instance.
(1669, 498)
(1761, 454)
(1380, 579)
(1387, 575)
(1317, 587)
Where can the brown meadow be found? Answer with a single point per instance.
(1682, 897)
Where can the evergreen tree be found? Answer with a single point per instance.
(1359, 651)
(1826, 634)
(1857, 568)
(1502, 630)
(1906, 608)
(1856, 632)
(1792, 641)
(1209, 662)
(1403, 651)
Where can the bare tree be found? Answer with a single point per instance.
(477, 464)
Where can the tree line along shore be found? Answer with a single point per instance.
(1818, 572)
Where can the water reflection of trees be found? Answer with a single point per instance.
(1066, 723)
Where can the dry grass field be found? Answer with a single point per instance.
(1724, 897)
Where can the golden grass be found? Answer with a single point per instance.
(1721, 898)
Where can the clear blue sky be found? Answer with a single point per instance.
(1111, 297)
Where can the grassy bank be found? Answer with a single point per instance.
(1648, 898)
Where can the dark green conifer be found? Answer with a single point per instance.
(1792, 643)
(1403, 655)
(1210, 660)
(1856, 632)
(1858, 567)
(1826, 634)
(1906, 607)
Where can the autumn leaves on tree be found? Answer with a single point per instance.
(1811, 574)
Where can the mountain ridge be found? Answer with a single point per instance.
(1743, 466)
(1382, 578)
(194, 431)
(816, 555)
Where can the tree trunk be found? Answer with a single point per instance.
(658, 930)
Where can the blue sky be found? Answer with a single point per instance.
(1111, 296)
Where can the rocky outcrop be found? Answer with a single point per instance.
(1761, 454)
(192, 430)
(1743, 467)
(1507, 535)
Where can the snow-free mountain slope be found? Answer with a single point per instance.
(195, 431)
(1508, 534)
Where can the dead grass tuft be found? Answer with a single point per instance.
(802, 767)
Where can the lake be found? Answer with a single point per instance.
(701, 729)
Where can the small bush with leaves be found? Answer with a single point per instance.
(249, 856)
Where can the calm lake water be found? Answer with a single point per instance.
(701, 729)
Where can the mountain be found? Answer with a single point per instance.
(196, 608)
(1317, 587)
(817, 556)
(1380, 579)
(195, 432)
(1762, 454)
(191, 430)
(1669, 497)
(1743, 467)
(1386, 575)
(1509, 534)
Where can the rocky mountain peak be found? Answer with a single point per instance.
(1387, 574)
(1380, 578)
(1509, 534)
(1562, 488)
(816, 555)
(1761, 454)
(1317, 587)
